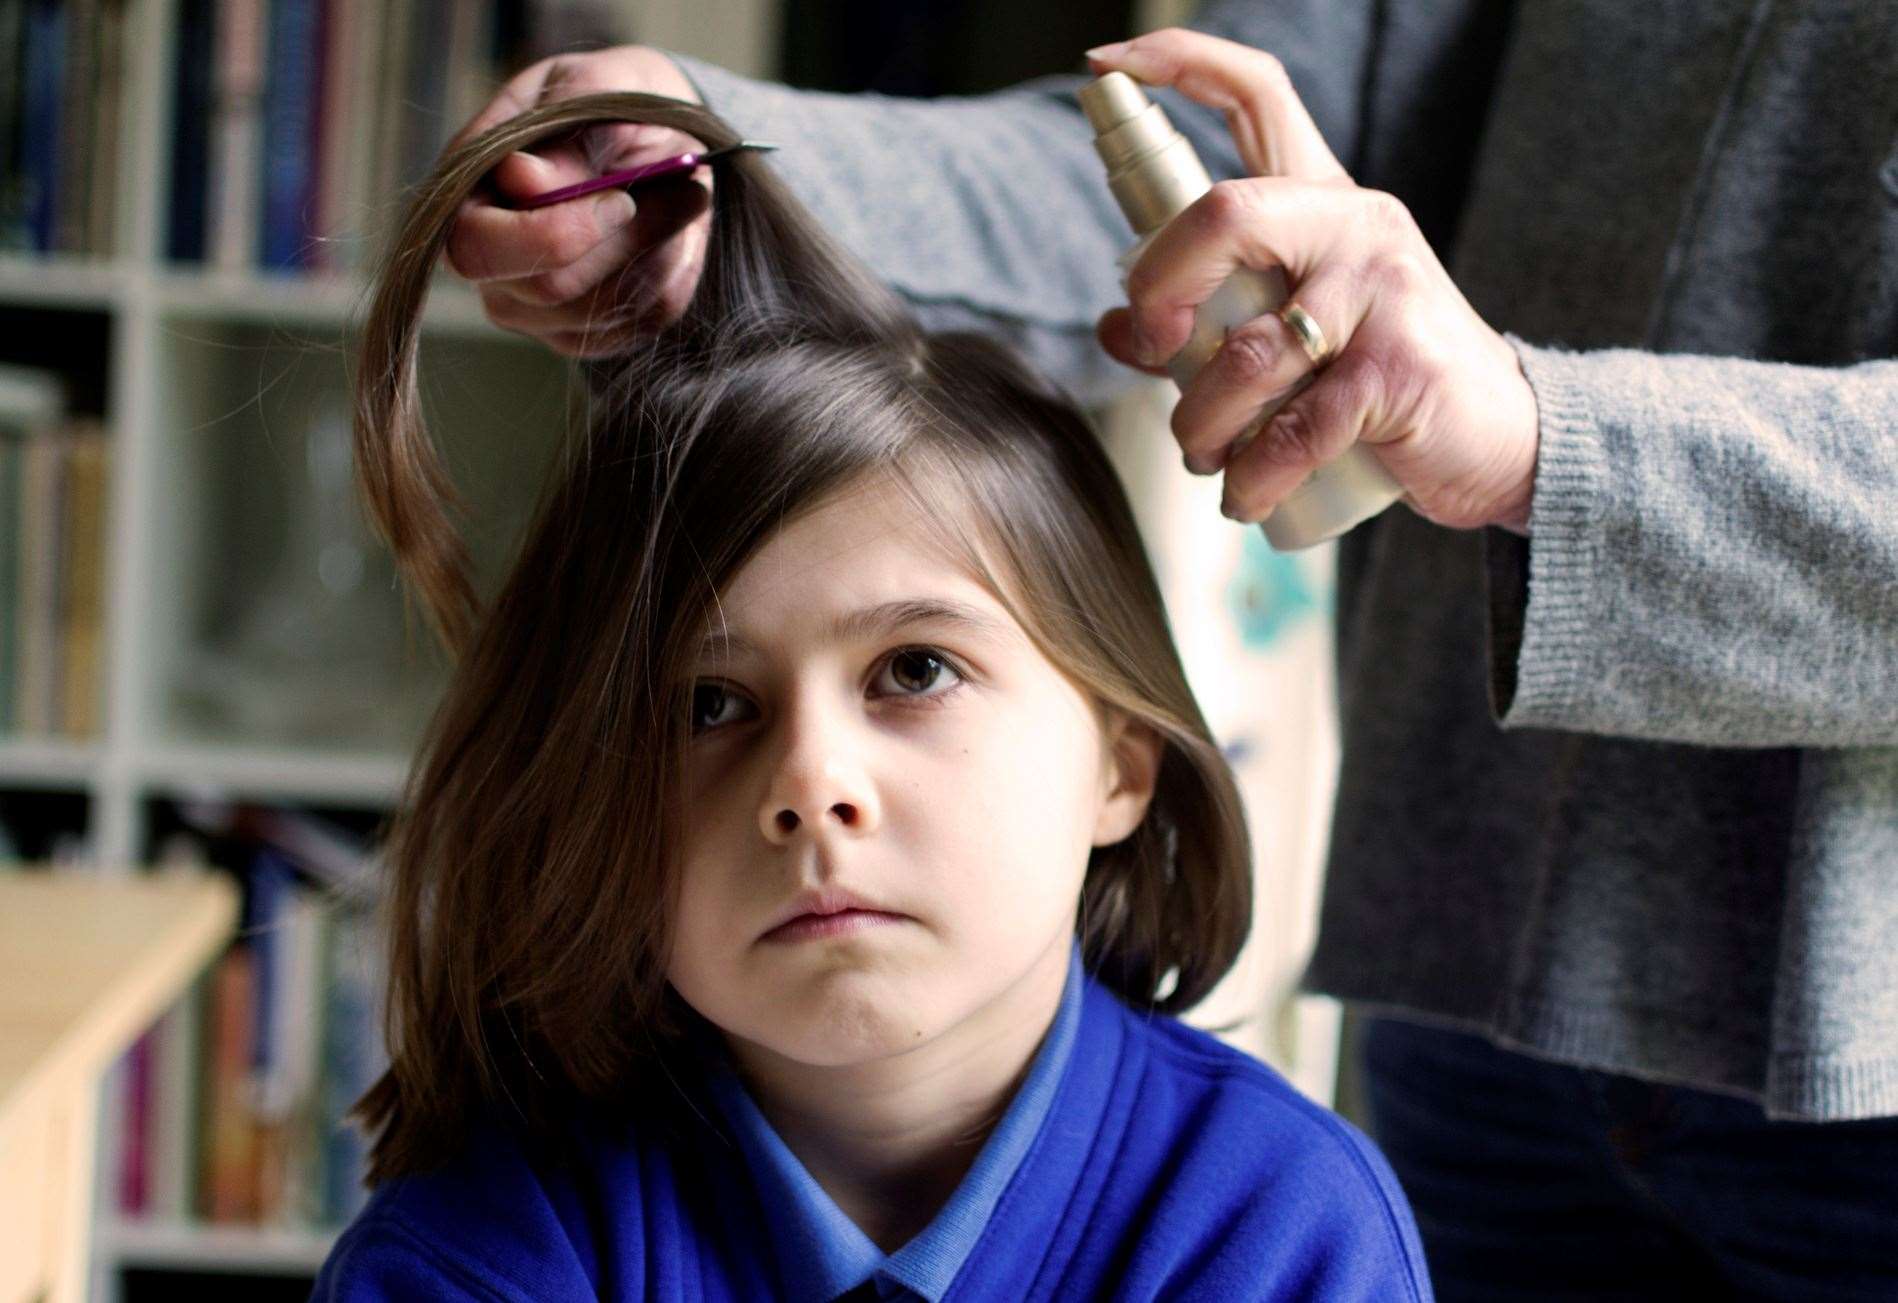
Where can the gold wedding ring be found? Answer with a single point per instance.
(1313, 340)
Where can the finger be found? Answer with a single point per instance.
(1115, 332)
(1269, 122)
(649, 301)
(489, 244)
(556, 78)
(1317, 426)
(1257, 368)
(517, 95)
(1257, 222)
(649, 285)
(588, 249)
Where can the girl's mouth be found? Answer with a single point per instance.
(844, 922)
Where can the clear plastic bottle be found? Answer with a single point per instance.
(1154, 174)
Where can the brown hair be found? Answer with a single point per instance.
(533, 852)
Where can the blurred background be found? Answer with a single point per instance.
(204, 665)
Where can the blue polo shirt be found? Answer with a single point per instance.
(821, 1253)
(1166, 1166)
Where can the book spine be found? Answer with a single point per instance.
(45, 49)
(232, 204)
(78, 84)
(15, 235)
(38, 532)
(82, 612)
(10, 592)
(178, 1053)
(227, 1191)
(136, 1133)
(191, 131)
(359, 203)
(103, 204)
(353, 1060)
(289, 90)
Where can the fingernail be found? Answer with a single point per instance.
(1227, 509)
(1109, 52)
(1199, 465)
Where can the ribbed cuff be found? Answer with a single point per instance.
(1542, 631)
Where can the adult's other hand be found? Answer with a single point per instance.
(1413, 371)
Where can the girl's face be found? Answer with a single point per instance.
(891, 796)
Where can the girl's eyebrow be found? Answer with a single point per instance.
(867, 622)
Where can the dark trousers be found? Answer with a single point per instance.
(1531, 1180)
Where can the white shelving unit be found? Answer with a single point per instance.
(211, 385)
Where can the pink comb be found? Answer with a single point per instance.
(633, 176)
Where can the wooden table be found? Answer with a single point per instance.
(88, 960)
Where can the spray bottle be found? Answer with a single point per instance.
(1153, 174)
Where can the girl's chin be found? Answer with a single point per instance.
(839, 1033)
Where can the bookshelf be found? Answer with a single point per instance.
(252, 648)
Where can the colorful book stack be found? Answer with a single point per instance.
(234, 1103)
(53, 469)
(62, 85)
(297, 123)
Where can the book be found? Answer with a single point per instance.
(354, 1056)
(78, 84)
(227, 1176)
(101, 237)
(81, 599)
(11, 455)
(233, 185)
(173, 1131)
(289, 124)
(191, 112)
(43, 51)
(15, 231)
(36, 680)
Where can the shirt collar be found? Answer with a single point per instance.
(821, 1253)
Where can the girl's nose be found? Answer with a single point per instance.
(819, 782)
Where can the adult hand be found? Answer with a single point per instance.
(1413, 371)
(587, 276)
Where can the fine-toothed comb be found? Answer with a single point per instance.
(633, 176)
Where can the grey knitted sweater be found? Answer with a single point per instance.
(1624, 793)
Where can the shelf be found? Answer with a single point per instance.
(48, 762)
(453, 306)
(201, 1246)
(64, 281)
(274, 774)
(72, 282)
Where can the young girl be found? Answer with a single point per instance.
(791, 892)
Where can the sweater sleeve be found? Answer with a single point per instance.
(991, 212)
(1712, 554)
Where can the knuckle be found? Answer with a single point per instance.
(1248, 357)
(1397, 275)
(1228, 204)
(1271, 82)
(1294, 437)
(552, 289)
(573, 234)
(1356, 384)
(1386, 214)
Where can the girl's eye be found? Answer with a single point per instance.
(917, 668)
(709, 701)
